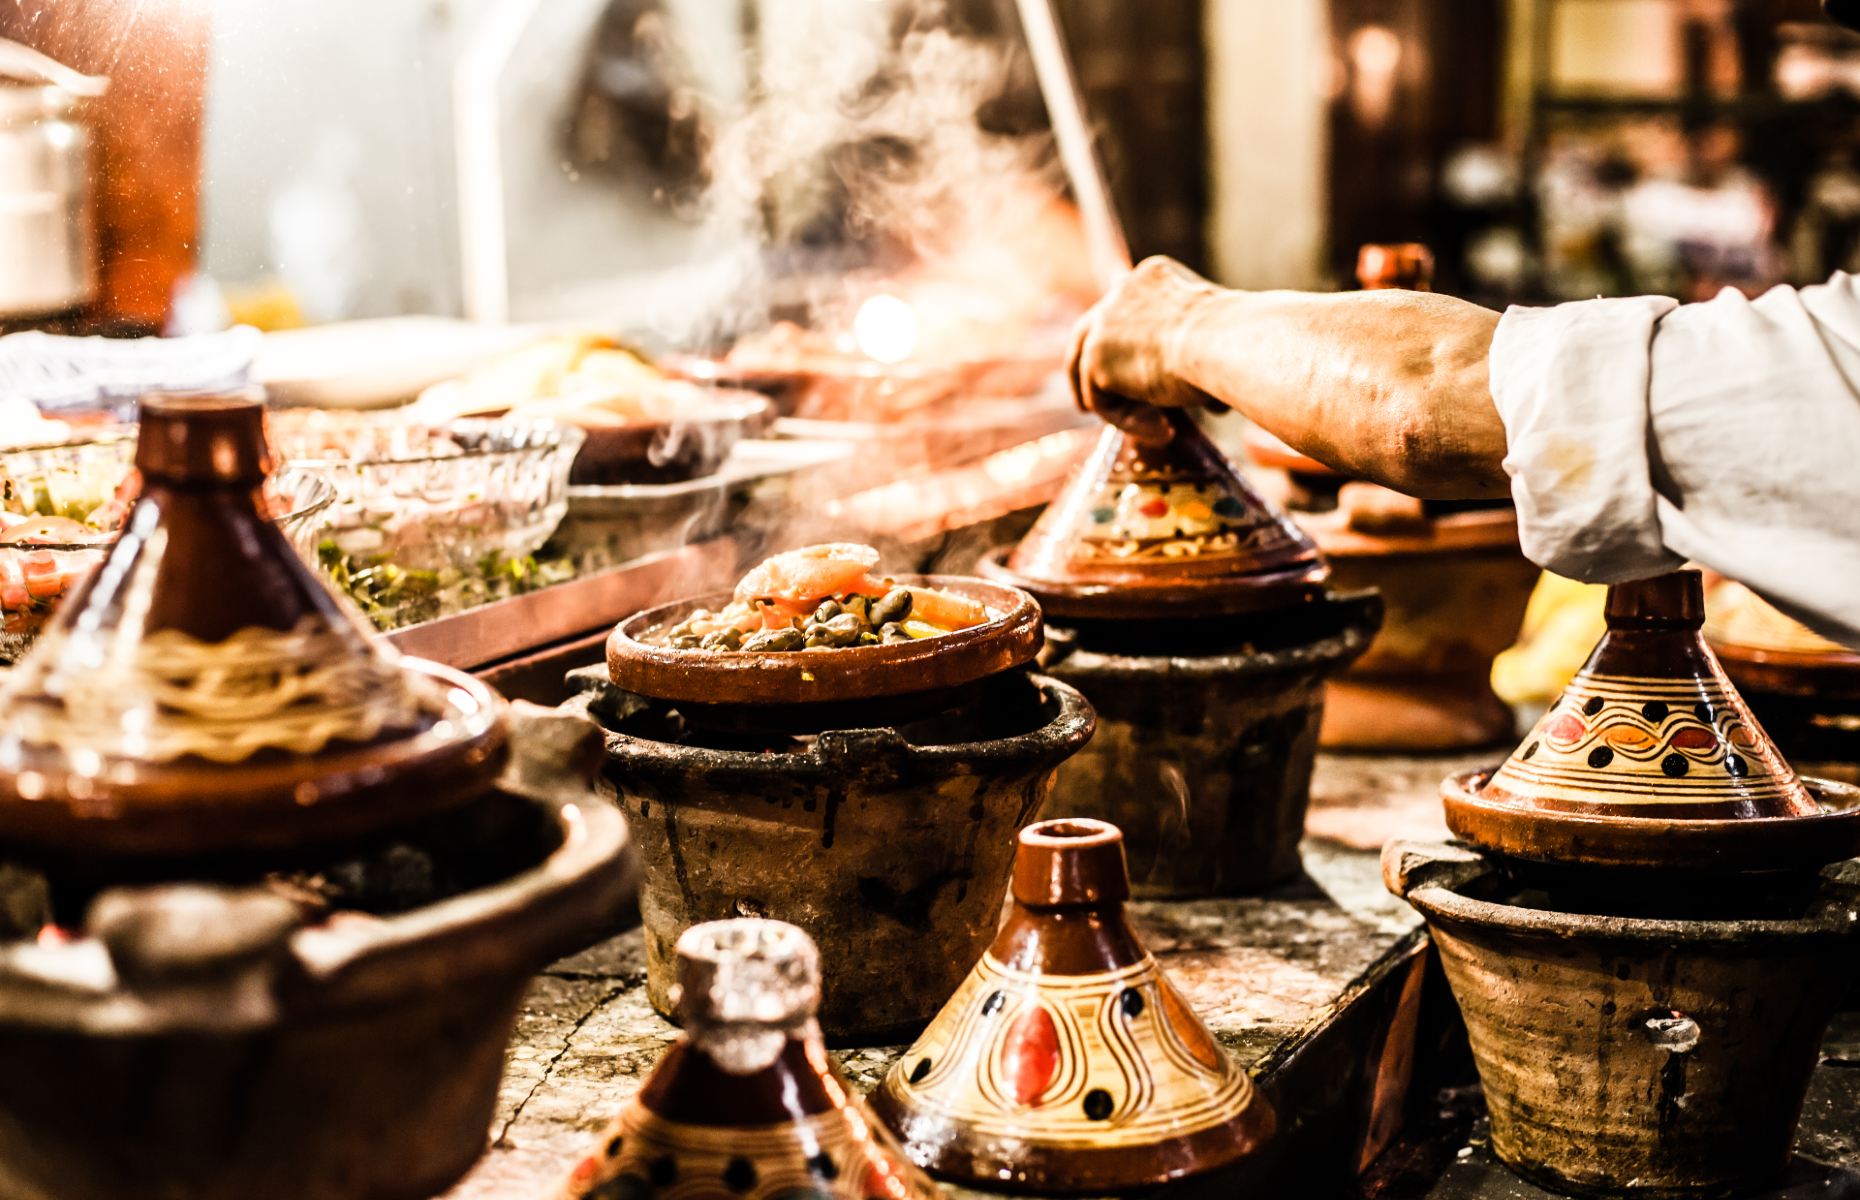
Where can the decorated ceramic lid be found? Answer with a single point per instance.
(204, 692)
(748, 1103)
(1648, 752)
(1067, 1061)
(1171, 529)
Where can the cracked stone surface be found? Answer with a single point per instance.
(1257, 969)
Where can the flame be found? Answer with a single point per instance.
(886, 329)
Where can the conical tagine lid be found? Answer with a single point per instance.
(747, 1104)
(1162, 530)
(203, 692)
(1652, 726)
(1067, 1061)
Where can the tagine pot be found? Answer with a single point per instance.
(204, 694)
(1651, 772)
(211, 1042)
(1804, 687)
(1067, 1062)
(889, 846)
(747, 1103)
(1623, 1055)
(1199, 623)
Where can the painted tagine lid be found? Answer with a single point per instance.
(747, 1104)
(203, 692)
(1650, 757)
(1067, 1062)
(1158, 530)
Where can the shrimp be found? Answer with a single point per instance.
(946, 609)
(812, 573)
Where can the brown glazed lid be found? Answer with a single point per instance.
(1647, 755)
(203, 692)
(1067, 1061)
(1169, 530)
(747, 1104)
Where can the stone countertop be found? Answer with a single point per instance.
(1259, 970)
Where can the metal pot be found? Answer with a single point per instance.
(48, 244)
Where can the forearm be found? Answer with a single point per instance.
(1388, 385)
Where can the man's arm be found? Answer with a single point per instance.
(1389, 385)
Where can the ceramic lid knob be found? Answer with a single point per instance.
(744, 988)
(203, 439)
(1071, 862)
(1675, 600)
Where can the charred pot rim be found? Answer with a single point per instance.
(1670, 846)
(1460, 887)
(1066, 723)
(822, 676)
(1324, 636)
(581, 889)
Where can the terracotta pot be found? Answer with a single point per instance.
(1205, 742)
(1628, 1055)
(198, 1042)
(1454, 593)
(1067, 1061)
(887, 846)
(748, 1103)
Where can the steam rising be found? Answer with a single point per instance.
(871, 131)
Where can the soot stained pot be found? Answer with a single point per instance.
(1198, 621)
(1631, 1055)
(1206, 740)
(202, 1042)
(890, 846)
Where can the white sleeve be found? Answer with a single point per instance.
(1642, 433)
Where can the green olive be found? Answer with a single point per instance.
(727, 638)
(775, 640)
(845, 629)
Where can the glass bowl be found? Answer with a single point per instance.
(85, 482)
(431, 497)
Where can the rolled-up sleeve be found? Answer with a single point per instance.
(1642, 433)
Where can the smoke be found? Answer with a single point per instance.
(878, 146)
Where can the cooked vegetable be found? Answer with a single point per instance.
(823, 598)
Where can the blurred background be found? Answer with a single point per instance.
(305, 161)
